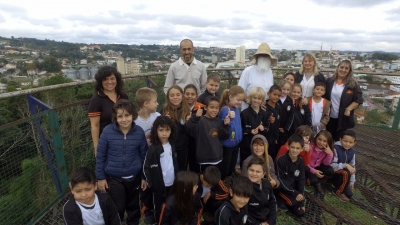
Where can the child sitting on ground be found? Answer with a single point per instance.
(86, 205)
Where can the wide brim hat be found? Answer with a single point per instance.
(264, 49)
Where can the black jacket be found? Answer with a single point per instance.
(291, 174)
(273, 132)
(203, 96)
(169, 215)
(319, 78)
(349, 95)
(228, 215)
(208, 133)
(73, 216)
(182, 141)
(286, 115)
(262, 204)
(152, 168)
(302, 116)
(219, 193)
(250, 119)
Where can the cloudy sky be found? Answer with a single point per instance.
(363, 25)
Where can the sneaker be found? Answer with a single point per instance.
(341, 197)
(282, 206)
(319, 189)
(149, 219)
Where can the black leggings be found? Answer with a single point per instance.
(229, 160)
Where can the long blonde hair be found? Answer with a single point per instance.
(349, 80)
(312, 57)
(180, 113)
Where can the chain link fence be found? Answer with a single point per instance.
(29, 176)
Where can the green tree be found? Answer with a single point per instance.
(51, 64)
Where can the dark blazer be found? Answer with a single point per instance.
(349, 95)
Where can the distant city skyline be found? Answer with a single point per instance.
(359, 25)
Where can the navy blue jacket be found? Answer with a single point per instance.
(119, 155)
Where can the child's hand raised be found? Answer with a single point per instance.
(167, 114)
(227, 120)
(231, 113)
(199, 112)
(260, 127)
(254, 131)
(188, 117)
(306, 147)
(327, 150)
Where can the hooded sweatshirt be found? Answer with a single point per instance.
(271, 162)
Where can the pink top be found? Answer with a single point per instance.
(318, 156)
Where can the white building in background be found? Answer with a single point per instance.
(240, 54)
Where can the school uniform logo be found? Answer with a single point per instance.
(288, 108)
(349, 92)
(302, 111)
(296, 173)
(244, 220)
(153, 165)
(213, 132)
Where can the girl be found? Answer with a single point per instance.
(120, 154)
(321, 158)
(289, 76)
(183, 206)
(254, 121)
(286, 115)
(161, 152)
(301, 113)
(273, 113)
(191, 98)
(231, 100)
(178, 110)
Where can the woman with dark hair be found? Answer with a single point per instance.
(308, 76)
(108, 90)
(345, 94)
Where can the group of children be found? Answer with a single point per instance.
(145, 155)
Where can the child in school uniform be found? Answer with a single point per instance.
(343, 164)
(213, 192)
(208, 130)
(321, 158)
(86, 205)
(319, 107)
(146, 99)
(254, 120)
(290, 172)
(231, 100)
(183, 205)
(259, 148)
(273, 112)
(286, 114)
(176, 108)
(212, 86)
(160, 165)
(262, 203)
(120, 155)
(301, 113)
(235, 211)
(190, 92)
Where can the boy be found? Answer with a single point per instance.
(273, 112)
(319, 108)
(262, 203)
(87, 206)
(208, 130)
(343, 164)
(212, 86)
(217, 192)
(146, 99)
(290, 172)
(234, 211)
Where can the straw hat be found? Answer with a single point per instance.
(264, 49)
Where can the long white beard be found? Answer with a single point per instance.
(264, 63)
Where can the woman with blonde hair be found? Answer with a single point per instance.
(308, 76)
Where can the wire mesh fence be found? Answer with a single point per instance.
(28, 192)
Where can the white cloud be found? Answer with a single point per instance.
(362, 25)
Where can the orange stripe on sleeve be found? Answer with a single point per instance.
(92, 114)
(161, 214)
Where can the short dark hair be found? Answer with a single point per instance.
(320, 84)
(348, 133)
(257, 161)
(295, 138)
(212, 175)
(274, 87)
(304, 130)
(211, 99)
(81, 175)
(242, 187)
(162, 121)
(103, 73)
(190, 86)
(124, 104)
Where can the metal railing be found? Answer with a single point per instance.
(39, 151)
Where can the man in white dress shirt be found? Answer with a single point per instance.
(259, 74)
(187, 70)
